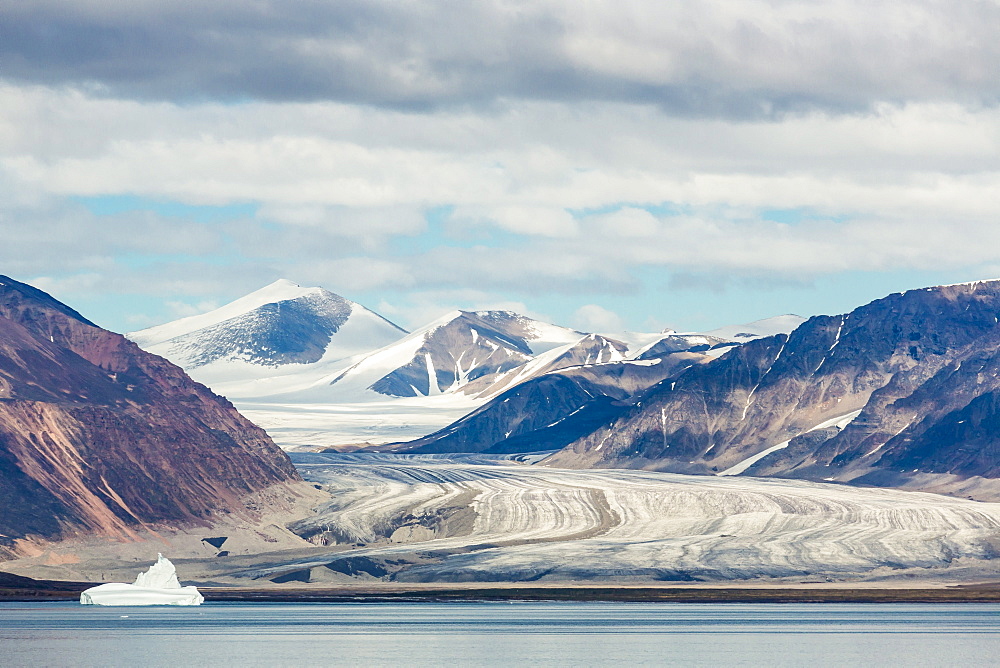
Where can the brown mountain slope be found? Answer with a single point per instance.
(98, 436)
(921, 370)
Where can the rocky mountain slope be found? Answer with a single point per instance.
(272, 338)
(565, 394)
(554, 408)
(316, 369)
(99, 437)
(463, 351)
(899, 391)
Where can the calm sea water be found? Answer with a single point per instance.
(501, 634)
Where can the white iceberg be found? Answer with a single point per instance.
(157, 586)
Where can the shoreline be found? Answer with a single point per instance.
(983, 593)
(635, 594)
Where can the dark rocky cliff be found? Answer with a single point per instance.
(98, 436)
(922, 367)
(553, 409)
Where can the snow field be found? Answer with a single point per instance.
(566, 524)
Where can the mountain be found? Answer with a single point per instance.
(462, 351)
(280, 330)
(588, 350)
(100, 437)
(717, 341)
(311, 344)
(316, 369)
(900, 391)
(552, 409)
(758, 329)
(570, 391)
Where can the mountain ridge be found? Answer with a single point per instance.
(445, 368)
(100, 437)
(773, 391)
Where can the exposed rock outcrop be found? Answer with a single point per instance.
(553, 409)
(922, 367)
(98, 436)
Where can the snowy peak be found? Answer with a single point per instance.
(589, 350)
(593, 349)
(282, 323)
(534, 335)
(279, 291)
(460, 348)
(682, 343)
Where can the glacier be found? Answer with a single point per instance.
(465, 518)
(156, 586)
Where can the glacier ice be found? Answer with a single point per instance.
(535, 522)
(157, 586)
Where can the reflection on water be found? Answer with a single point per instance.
(488, 634)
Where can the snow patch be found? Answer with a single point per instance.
(840, 421)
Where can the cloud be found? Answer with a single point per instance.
(303, 226)
(356, 274)
(531, 198)
(517, 200)
(184, 309)
(692, 58)
(594, 318)
(526, 163)
(526, 220)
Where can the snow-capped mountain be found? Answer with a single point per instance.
(574, 389)
(462, 351)
(717, 341)
(588, 350)
(278, 330)
(312, 367)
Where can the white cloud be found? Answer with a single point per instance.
(575, 189)
(630, 223)
(371, 227)
(576, 145)
(380, 167)
(183, 309)
(355, 274)
(527, 220)
(594, 318)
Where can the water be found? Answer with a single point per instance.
(501, 634)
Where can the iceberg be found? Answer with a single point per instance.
(157, 586)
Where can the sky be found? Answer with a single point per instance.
(605, 165)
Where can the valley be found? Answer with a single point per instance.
(488, 448)
(392, 520)
(441, 518)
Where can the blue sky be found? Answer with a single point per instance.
(627, 165)
(648, 298)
